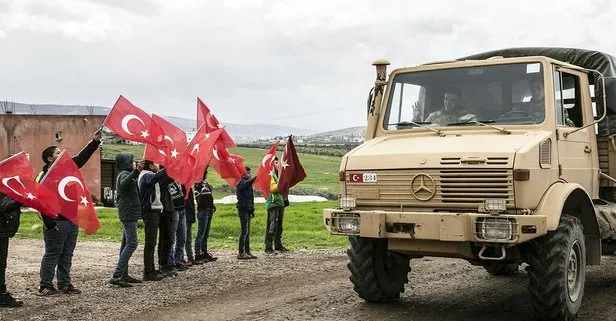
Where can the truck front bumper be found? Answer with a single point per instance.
(455, 227)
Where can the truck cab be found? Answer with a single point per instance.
(498, 158)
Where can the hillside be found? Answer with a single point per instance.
(322, 170)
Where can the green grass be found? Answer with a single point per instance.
(322, 170)
(302, 229)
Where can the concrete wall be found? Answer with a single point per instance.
(37, 132)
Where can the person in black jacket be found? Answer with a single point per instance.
(61, 234)
(129, 211)
(151, 209)
(245, 211)
(164, 229)
(205, 213)
(9, 224)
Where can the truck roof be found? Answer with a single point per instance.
(589, 59)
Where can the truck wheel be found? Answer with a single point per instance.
(378, 275)
(557, 271)
(502, 269)
(606, 217)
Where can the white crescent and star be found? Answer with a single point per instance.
(266, 158)
(355, 178)
(130, 117)
(6, 180)
(215, 153)
(62, 187)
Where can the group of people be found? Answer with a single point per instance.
(144, 192)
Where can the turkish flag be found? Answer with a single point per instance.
(173, 137)
(205, 116)
(74, 198)
(17, 182)
(157, 155)
(291, 171)
(130, 122)
(230, 167)
(188, 168)
(264, 172)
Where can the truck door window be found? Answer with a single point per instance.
(567, 100)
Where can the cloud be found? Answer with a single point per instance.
(253, 61)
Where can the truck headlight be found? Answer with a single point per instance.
(347, 202)
(346, 223)
(492, 228)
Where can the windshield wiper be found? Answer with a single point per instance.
(418, 124)
(482, 123)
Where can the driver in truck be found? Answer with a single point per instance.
(451, 112)
(536, 107)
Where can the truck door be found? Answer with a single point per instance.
(575, 149)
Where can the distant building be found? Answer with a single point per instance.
(37, 132)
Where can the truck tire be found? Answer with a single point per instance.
(502, 269)
(557, 271)
(378, 275)
(606, 217)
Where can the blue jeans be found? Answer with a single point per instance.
(189, 239)
(128, 247)
(59, 247)
(178, 234)
(204, 219)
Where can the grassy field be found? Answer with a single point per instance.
(303, 227)
(322, 170)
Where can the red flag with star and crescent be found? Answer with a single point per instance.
(205, 116)
(131, 123)
(230, 167)
(291, 171)
(17, 182)
(190, 165)
(174, 143)
(264, 172)
(65, 179)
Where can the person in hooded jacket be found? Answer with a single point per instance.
(129, 212)
(9, 224)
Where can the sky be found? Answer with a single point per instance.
(301, 63)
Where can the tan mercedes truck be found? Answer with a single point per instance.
(504, 158)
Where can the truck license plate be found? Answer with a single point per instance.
(369, 177)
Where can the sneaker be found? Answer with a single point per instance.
(47, 291)
(282, 249)
(209, 257)
(243, 256)
(196, 262)
(8, 301)
(269, 251)
(180, 267)
(152, 276)
(121, 282)
(186, 263)
(70, 289)
(131, 279)
(251, 255)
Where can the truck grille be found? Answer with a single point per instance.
(453, 188)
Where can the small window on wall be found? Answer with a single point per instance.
(567, 100)
(59, 136)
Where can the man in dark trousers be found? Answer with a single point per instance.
(275, 211)
(245, 211)
(164, 229)
(151, 209)
(61, 234)
(191, 218)
(205, 213)
(9, 224)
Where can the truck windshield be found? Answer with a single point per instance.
(497, 94)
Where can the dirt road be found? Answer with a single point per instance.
(303, 285)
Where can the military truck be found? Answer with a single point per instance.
(505, 159)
